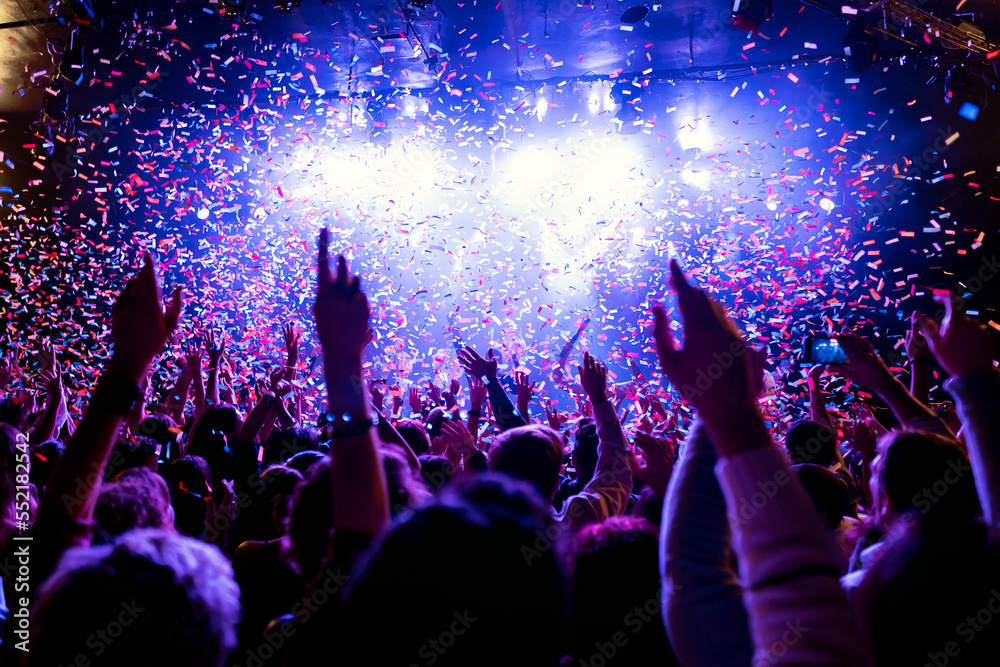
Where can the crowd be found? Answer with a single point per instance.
(223, 524)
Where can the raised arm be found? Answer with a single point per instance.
(360, 497)
(918, 358)
(486, 369)
(965, 349)
(214, 349)
(55, 407)
(197, 381)
(817, 400)
(177, 397)
(524, 391)
(788, 569)
(139, 330)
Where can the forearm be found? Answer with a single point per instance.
(212, 393)
(920, 380)
(254, 422)
(902, 403)
(177, 398)
(503, 409)
(199, 392)
(977, 396)
(47, 429)
(387, 433)
(817, 404)
(701, 588)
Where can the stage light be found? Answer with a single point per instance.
(695, 134)
(749, 15)
(826, 204)
(633, 15)
(627, 119)
(203, 214)
(285, 6)
(233, 7)
(594, 99)
(861, 49)
(541, 108)
(72, 67)
(968, 89)
(771, 206)
(411, 105)
(697, 178)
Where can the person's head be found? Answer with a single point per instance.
(13, 412)
(406, 489)
(9, 437)
(826, 490)
(924, 475)
(270, 497)
(135, 498)
(303, 461)
(471, 566)
(934, 589)
(160, 428)
(810, 442)
(615, 572)
(436, 471)
(585, 449)
(282, 445)
(218, 420)
(531, 453)
(415, 435)
(310, 520)
(151, 598)
(435, 418)
(190, 483)
(139, 452)
(43, 461)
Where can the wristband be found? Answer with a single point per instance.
(475, 412)
(340, 427)
(114, 395)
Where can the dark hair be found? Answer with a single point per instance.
(270, 498)
(627, 550)
(467, 561)
(43, 461)
(139, 452)
(284, 444)
(136, 498)
(415, 435)
(811, 442)
(303, 461)
(436, 471)
(926, 591)
(310, 519)
(176, 596)
(406, 489)
(531, 453)
(928, 474)
(159, 427)
(827, 491)
(189, 480)
(12, 412)
(585, 449)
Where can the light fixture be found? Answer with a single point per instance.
(633, 15)
(72, 66)
(749, 15)
(861, 49)
(233, 7)
(968, 90)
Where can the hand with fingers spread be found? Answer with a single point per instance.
(214, 348)
(960, 344)
(594, 378)
(476, 366)
(193, 354)
(659, 456)
(434, 392)
(416, 404)
(712, 370)
(457, 437)
(140, 327)
(524, 391)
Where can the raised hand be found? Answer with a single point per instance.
(864, 365)
(434, 392)
(524, 390)
(139, 325)
(214, 348)
(46, 355)
(457, 438)
(292, 340)
(552, 416)
(455, 387)
(193, 354)
(416, 405)
(378, 398)
(713, 370)
(477, 393)
(594, 378)
(341, 311)
(960, 344)
(476, 366)
(915, 343)
(659, 456)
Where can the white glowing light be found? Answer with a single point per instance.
(826, 204)
(594, 101)
(203, 214)
(541, 108)
(772, 206)
(697, 178)
(697, 134)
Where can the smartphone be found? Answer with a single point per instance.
(823, 351)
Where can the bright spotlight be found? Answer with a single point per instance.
(203, 214)
(695, 134)
(826, 204)
(697, 178)
(541, 108)
(594, 100)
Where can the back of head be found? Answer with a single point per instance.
(436, 471)
(927, 475)
(136, 498)
(43, 462)
(303, 461)
(826, 490)
(310, 519)
(12, 412)
(531, 453)
(477, 590)
(189, 480)
(415, 435)
(284, 444)
(151, 598)
(931, 596)
(616, 588)
(139, 452)
(811, 442)
(406, 489)
(160, 428)
(585, 449)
